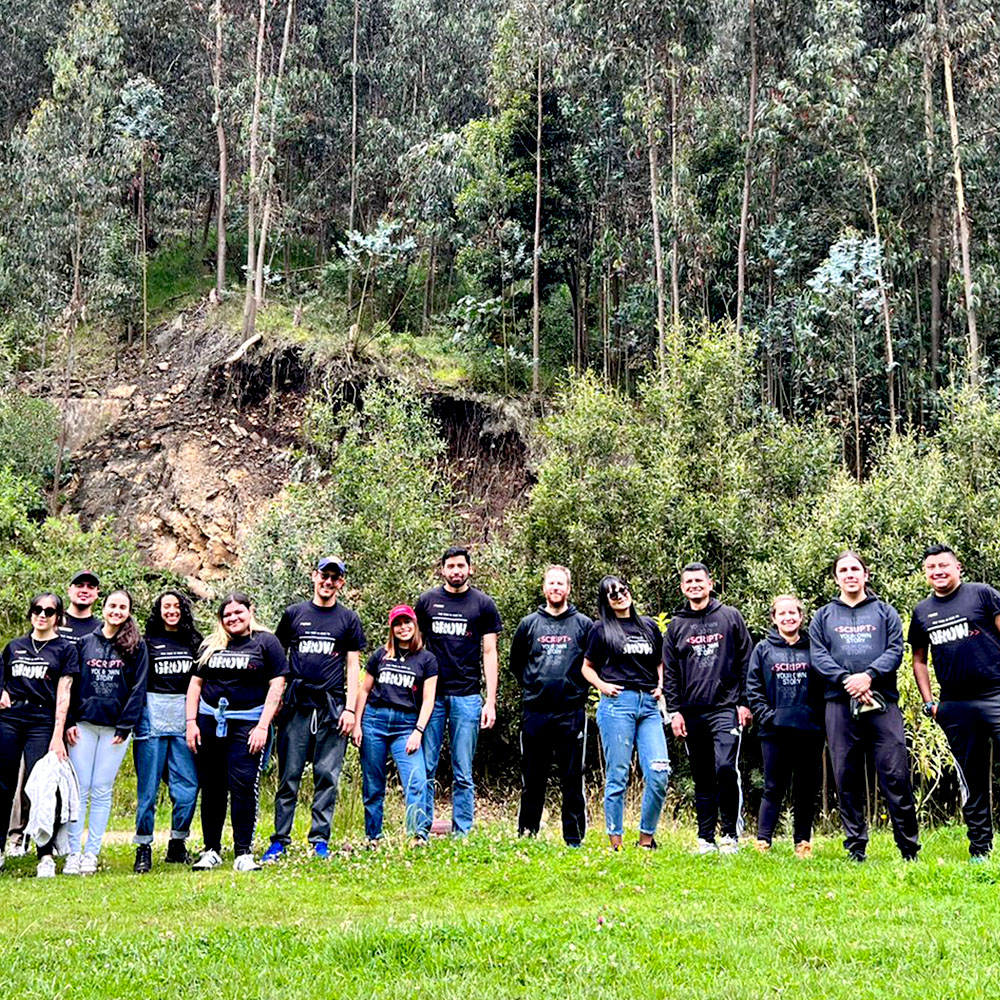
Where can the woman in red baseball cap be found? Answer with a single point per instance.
(394, 705)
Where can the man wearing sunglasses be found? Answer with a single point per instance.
(324, 642)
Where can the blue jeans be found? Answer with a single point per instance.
(463, 714)
(385, 731)
(632, 719)
(152, 754)
(96, 761)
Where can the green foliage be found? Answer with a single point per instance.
(28, 430)
(376, 498)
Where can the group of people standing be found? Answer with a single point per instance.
(201, 712)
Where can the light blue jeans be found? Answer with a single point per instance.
(462, 714)
(96, 761)
(632, 719)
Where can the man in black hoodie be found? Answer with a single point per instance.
(705, 655)
(545, 656)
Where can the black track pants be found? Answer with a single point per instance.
(793, 759)
(713, 741)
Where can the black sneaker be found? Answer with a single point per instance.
(858, 857)
(143, 859)
(177, 853)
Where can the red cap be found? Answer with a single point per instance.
(402, 611)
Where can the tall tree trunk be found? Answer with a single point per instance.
(144, 256)
(964, 235)
(934, 229)
(253, 193)
(855, 399)
(537, 255)
(675, 284)
(654, 204)
(353, 203)
(890, 362)
(741, 253)
(220, 136)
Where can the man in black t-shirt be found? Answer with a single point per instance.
(960, 623)
(705, 655)
(80, 620)
(460, 625)
(323, 640)
(546, 654)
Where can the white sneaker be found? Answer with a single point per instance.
(72, 866)
(47, 867)
(728, 845)
(705, 847)
(1, 859)
(88, 864)
(19, 849)
(245, 863)
(208, 861)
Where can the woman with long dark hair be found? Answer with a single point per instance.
(106, 708)
(232, 697)
(623, 661)
(395, 702)
(173, 641)
(36, 675)
(857, 646)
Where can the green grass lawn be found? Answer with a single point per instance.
(496, 917)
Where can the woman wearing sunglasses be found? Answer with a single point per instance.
(36, 674)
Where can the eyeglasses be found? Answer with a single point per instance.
(618, 593)
(47, 612)
(330, 577)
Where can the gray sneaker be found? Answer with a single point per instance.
(72, 865)
(706, 847)
(728, 845)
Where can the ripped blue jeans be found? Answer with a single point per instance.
(630, 720)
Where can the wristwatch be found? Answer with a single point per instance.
(928, 709)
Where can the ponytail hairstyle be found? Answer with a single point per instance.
(614, 634)
(187, 632)
(126, 640)
(219, 639)
(851, 554)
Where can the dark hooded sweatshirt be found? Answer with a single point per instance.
(781, 688)
(846, 640)
(546, 654)
(112, 688)
(705, 656)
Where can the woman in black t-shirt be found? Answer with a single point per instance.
(234, 691)
(36, 673)
(394, 705)
(623, 662)
(172, 641)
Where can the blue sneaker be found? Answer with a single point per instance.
(273, 852)
(321, 850)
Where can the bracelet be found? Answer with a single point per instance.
(351, 710)
(419, 729)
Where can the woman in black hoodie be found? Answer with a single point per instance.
(106, 708)
(787, 701)
(857, 645)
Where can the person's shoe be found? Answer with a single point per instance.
(245, 863)
(47, 867)
(177, 852)
(651, 846)
(88, 864)
(978, 859)
(762, 846)
(804, 850)
(909, 857)
(418, 842)
(20, 848)
(321, 850)
(208, 860)
(274, 851)
(728, 845)
(706, 847)
(143, 859)
(1, 859)
(72, 865)
(858, 857)
(373, 843)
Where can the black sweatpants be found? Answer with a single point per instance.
(969, 726)
(882, 733)
(22, 732)
(713, 742)
(558, 736)
(792, 758)
(228, 771)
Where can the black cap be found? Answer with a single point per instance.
(86, 574)
(329, 563)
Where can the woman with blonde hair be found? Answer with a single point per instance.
(786, 699)
(234, 692)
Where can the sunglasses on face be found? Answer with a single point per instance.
(47, 612)
(617, 593)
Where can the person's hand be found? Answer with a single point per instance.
(4, 699)
(72, 735)
(57, 747)
(744, 715)
(413, 743)
(657, 693)
(356, 734)
(118, 740)
(192, 736)
(489, 717)
(257, 739)
(346, 722)
(858, 685)
(678, 727)
(610, 690)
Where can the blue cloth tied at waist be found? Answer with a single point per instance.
(222, 714)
